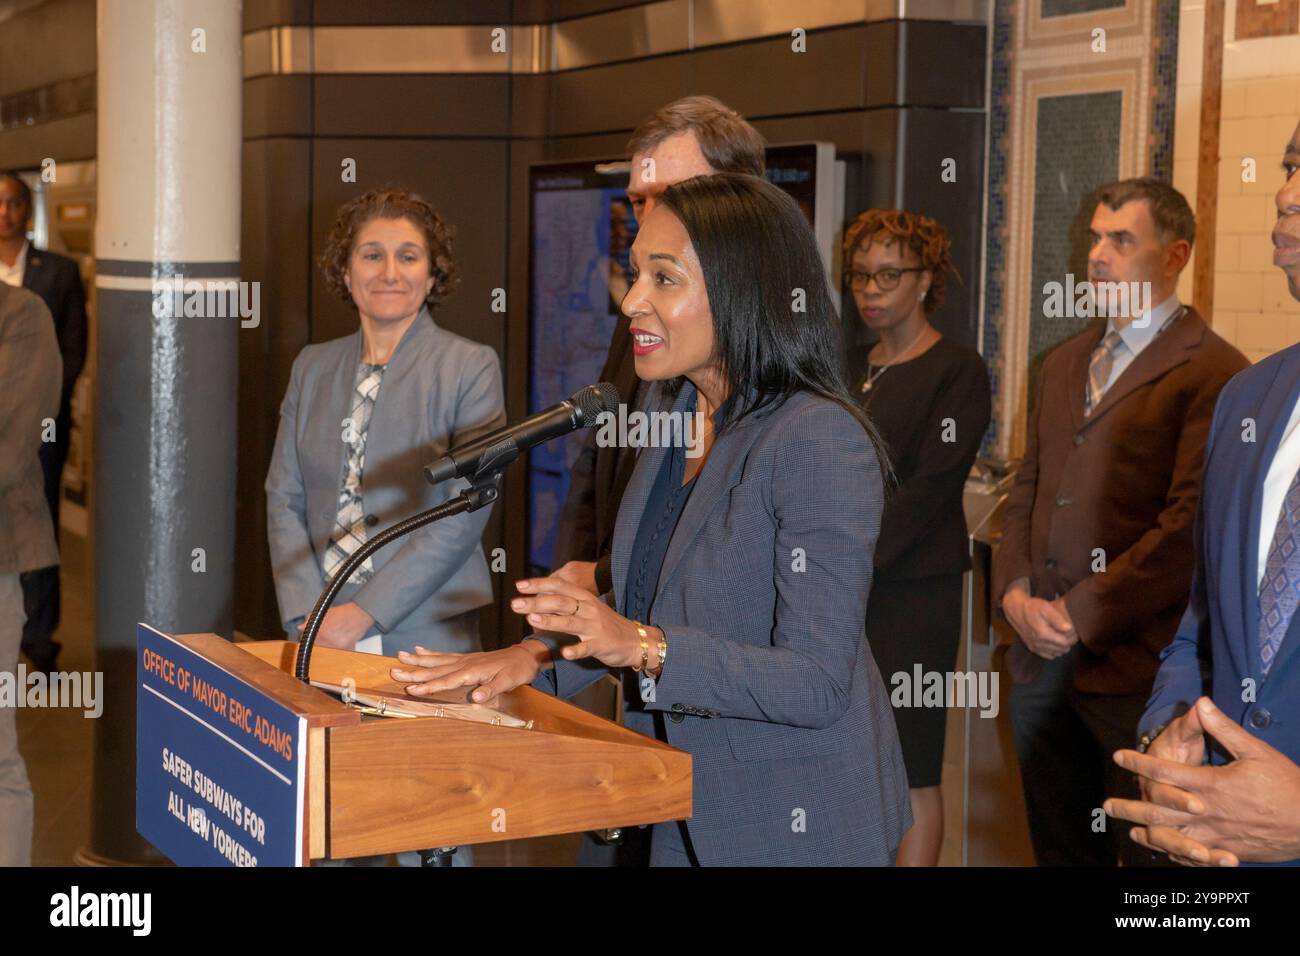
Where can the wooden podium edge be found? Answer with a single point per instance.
(370, 672)
(338, 741)
(320, 709)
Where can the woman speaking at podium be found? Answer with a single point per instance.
(360, 417)
(741, 574)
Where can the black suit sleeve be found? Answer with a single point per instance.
(575, 539)
(605, 572)
(578, 537)
(70, 323)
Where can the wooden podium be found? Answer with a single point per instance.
(387, 784)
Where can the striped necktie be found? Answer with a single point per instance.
(1279, 592)
(1103, 360)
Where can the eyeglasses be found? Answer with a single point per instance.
(886, 279)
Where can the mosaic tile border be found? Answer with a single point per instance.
(1161, 69)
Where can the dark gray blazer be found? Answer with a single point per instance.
(30, 373)
(769, 683)
(439, 390)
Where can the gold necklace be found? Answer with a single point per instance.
(871, 379)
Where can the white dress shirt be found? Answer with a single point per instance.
(13, 275)
(1137, 335)
(1280, 475)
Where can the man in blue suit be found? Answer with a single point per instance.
(1242, 622)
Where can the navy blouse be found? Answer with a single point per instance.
(664, 507)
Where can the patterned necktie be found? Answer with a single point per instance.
(1103, 360)
(350, 521)
(1279, 592)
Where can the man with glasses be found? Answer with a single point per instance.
(1095, 563)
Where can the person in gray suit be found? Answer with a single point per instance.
(31, 370)
(57, 280)
(742, 557)
(361, 416)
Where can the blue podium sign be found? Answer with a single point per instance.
(220, 766)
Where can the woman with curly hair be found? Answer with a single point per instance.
(361, 415)
(929, 398)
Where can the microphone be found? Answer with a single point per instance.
(504, 445)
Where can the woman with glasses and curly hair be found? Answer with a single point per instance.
(361, 415)
(929, 398)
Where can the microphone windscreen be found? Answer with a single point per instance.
(592, 400)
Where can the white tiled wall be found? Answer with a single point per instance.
(1260, 110)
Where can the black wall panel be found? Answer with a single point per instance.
(274, 224)
(466, 141)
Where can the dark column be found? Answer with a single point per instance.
(163, 490)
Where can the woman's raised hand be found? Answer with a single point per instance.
(553, 604)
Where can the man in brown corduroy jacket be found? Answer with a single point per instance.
(1095, 562)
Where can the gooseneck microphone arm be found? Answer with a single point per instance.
(483, 491)
(482, 461)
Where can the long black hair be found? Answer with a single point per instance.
(775, 331)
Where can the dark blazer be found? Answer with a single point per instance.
(1125, 480)
(600, 475)
(768, 682)
(29, 393)
(57, 280)
(439, 391)
(1221, 626)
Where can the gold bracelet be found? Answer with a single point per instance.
(663, 653)
(645, 647)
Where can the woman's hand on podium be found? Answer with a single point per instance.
(553, 604)
(343, 626)
(490, 672)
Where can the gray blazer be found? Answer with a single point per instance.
(769, 683)
(439, 390)
(31, 377)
